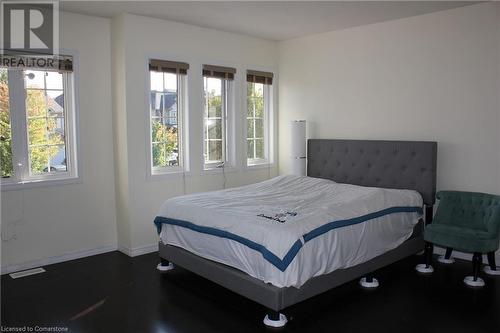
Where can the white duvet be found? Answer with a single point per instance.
(289, 229)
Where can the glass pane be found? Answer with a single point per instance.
(56, 137)
(156, 81)
(215, 151)
(55, 103)
(250, 107)
(259, 128)
(250, 89)
(170, 80)
(170, 104)
(47, 159)
(57, 161)
(35, 79)
(213, 95)
(39, 158)
(5, 128)
(159, 131)
(259, 148)
(35, 103)
(250, 145)
(54, 80)
(214, 128)
(259, 90)
(250, 127)
(37, 131)
(158, 153)
(259, 107)
(156, 103)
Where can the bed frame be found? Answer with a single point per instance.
(387, 164)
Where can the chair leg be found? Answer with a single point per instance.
(447, 259)
(477, 260)
(427, 267)
(491, 268)
(475, 280)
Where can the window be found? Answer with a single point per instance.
(167, 81)
(37, 133)
(217, 82)
(258, 117)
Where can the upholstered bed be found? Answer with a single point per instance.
(398, 174)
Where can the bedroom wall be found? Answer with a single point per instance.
(139, 196)
(46, 224)
(428, 77)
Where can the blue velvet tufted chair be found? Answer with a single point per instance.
(466, 222)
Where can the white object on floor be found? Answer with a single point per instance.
(275, 323)
(28, 272)
(373, 284)
(487, 269)
(445, 261)
(469, 280)
(315, 201)
(163, 268)
(422, 268)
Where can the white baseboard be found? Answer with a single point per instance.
(7, 269)
(465, 256)
(137, 251)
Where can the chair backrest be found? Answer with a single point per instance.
(479, 211)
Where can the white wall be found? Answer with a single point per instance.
(429, 77)
(43, 224)
(137, 39)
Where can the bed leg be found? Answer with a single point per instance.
(164, 265)
(369, 282)
(427, 267)
(447, 259)
(275, 319)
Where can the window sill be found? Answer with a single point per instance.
(263, 165)
(167, 174)
(15, 186)
(218, 170)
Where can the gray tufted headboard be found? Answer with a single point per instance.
(388, 164)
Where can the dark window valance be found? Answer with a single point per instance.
(220, 72)
(260, 77)
(168, 66)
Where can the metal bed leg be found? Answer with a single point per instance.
(447, 259)
(491, 268)
(164, 265)
(275, 319)
(369, 282)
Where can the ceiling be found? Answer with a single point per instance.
(273, 20)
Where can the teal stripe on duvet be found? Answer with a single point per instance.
(279, 263)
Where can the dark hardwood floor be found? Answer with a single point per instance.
(115, 293)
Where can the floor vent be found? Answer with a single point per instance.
(28, 272)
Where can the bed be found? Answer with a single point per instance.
(360, 208)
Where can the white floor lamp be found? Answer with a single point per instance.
(298, 147)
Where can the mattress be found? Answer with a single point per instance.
(289, 229)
